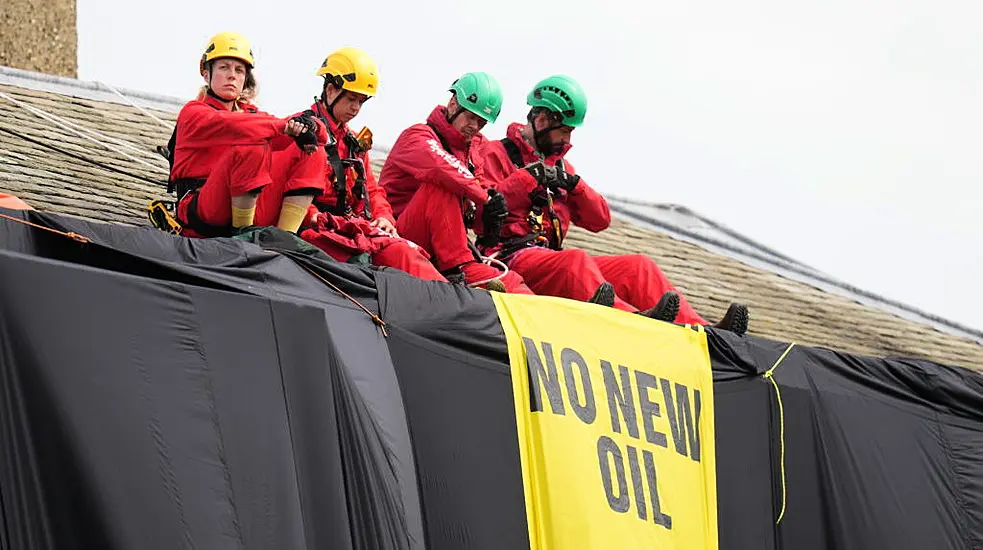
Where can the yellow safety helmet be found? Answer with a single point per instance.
(228, 44)
(351, 69)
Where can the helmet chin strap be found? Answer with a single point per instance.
(450, 118)
(329, 105)
(541, 139)
(212, 92)
(218, 97)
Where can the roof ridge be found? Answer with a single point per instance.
(792, 266)
(93, 90)
(714, 224)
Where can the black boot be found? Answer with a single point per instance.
(604, 295)
(735, 320)
(454, 276)
(666, 310)
(494, 286)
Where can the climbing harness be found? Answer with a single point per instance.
(538, 237)
(340, 166)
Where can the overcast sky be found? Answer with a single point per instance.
(844, 133)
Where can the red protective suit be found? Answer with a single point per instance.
(342, 237)
(429, 171)
(419, 156)
(234, 153)
(378, 202)
(637, 279)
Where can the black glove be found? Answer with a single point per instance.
(565, 180)
(495, 209)
(540, 198)
(308, 138)
(306, 120)
(492, 218)
(544, 175)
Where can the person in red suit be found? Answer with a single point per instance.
(223, 147)
(545, 195)
(352, 219)
(436, 192)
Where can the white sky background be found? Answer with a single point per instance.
(844, 133)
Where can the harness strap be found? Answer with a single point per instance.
(515, 244)
(340, 166)
(359, 190)
(340, 180)
(535, 216)
(512, 150)
(184, 186)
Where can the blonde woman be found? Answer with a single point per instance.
(223, 149)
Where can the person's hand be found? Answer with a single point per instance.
(543, 174)
(496, 210)
(492, 217)
(385, 225)
(307, 141)
(540, 198)
(304, 131)
(565, 180)
(294, 127)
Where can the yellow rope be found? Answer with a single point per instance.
(770, 376)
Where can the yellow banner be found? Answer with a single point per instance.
(615, 418)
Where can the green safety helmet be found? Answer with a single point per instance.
(480, 94)
(562, 95)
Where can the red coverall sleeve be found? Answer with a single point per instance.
(203, 125)
(425, 160)
(377, 195)
(588, 208)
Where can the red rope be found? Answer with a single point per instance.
(70, 234)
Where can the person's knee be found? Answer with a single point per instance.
(437, 198)
(574, 258)
(641, 261)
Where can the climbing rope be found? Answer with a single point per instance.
(770, 376)
(48, 145)
(68, 126)
(71, 235)
(134, 105)
(375, 318)
(495, 263)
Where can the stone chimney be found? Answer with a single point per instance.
(40, 36)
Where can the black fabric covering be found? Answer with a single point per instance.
(156, 434)
(349, 440)
(463, 424)
(879, 453)
(160, 392)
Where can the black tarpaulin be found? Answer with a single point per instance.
(463, 424)
(340, 390)
(879, 453)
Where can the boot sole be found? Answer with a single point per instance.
(604, 295)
